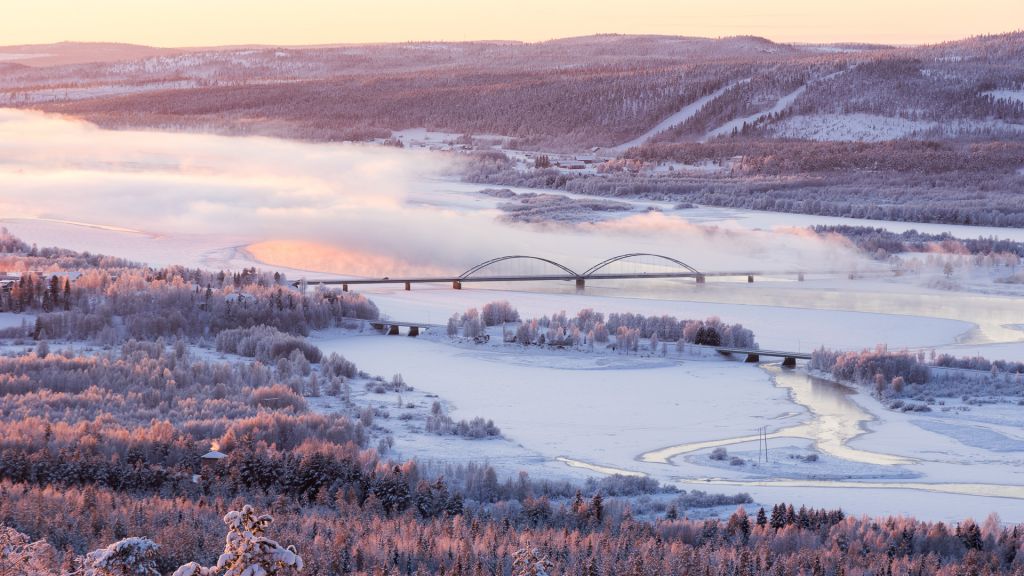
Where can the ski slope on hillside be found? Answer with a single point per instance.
(783, 103)
(684, 114)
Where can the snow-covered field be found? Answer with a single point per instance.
(848, 127)
(1011, 95)
(12, 320)
(862, 127)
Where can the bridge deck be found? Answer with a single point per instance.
(391, 322)
(757, 352)
(528, 278)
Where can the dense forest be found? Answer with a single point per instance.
(340, 536)
(102, 467)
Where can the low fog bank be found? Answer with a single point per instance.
(337, 208)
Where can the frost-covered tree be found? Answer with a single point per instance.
(128, 557)
(21, 556)
(529, 562)
(472, 325)
(247, 552)
(499, 312)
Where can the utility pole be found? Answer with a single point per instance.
(765, 431)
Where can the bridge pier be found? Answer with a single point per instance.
(789, 362)
(414, 331)
(750, 278)
(457, 284)
(344, 287)
(408, 286)
(800, 277)
(751, 358)
(581, 284)
(393, 330)
(701, 279)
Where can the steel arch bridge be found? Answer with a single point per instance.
(493, 261)
(596, 271)
(590, 272)
(483, 272)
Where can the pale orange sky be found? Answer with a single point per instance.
(288, 22)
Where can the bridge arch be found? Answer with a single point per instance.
(600, 265)
(468, 273)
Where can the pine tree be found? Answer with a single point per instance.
(778, 519)
(597, 507)
(672, 513)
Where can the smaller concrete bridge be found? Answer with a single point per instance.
(754, 355)
(391, 327)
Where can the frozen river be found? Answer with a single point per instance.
(662, 417)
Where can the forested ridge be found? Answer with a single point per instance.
(568, 94)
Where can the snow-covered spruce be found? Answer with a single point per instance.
(247, 552)
(128, 557)
(529, 562)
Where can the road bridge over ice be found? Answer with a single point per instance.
(552, 271)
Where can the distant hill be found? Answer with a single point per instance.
(64, 53)
(566, 94)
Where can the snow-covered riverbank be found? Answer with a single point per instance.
(594, 413)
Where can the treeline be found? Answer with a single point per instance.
(82, 297)
(880, 242)
(587, 328)
(625, 331)
(168, 304)
(915, 375)
(17, 256)
(968, 197)
(880, 367)
(758, 157)
(337, 536)
(151, 307)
